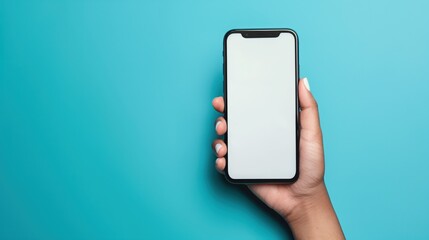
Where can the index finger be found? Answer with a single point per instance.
(218, 104)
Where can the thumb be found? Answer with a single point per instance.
(309, 116)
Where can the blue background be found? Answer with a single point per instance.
(106, 118)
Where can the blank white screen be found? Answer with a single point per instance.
(261, 107)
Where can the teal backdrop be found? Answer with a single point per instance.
(106, 118)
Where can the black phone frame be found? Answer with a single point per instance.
(262, 33)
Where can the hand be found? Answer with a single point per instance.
(305, 204)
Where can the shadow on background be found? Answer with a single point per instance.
(237, 192)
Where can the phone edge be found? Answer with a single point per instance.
(297, 122)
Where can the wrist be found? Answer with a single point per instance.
(313, 216)
(306, 204)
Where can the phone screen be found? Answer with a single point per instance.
(261, 77)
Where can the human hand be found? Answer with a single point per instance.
(305, 204)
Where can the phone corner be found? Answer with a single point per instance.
(228, 33)
(229, 178)
(295, 177)
(293, 33)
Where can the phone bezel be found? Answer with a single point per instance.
(261, 33)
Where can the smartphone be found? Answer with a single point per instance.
(261, 72)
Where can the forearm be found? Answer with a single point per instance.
(315, 218)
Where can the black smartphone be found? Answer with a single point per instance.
(261, 73)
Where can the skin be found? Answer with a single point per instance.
(305, 204)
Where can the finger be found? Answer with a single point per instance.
(220, 164)
(220, 126)
(219, 147)
(218, 104)
(309, 116)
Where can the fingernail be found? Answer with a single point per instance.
(306, 84)
(217, 124)
(218, 146)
